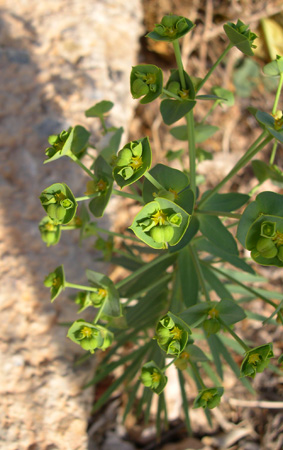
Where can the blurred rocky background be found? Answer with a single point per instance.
(58, 58)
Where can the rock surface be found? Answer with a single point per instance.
(57, 58)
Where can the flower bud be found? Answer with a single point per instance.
(268, 229)
(266, 246)
(174, 87)
(162, 233)
(139, 88)
(211, 326)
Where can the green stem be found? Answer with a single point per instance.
(200, 276)
(221, 57)
(81, 287)
(273, 153)
(178, 56)
(252, 151)
(278, 92)
(197, 374)
(153, 181)
(128, 195)
(82, 166)
(219, 213)
(235, 336)
(86, 197)
(168, 365)
(98, 315)
(142, 269)
(113, 233)
(170, 94)
(254, 189)
(192, 149)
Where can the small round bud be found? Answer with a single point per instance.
(162, 233)
(280, 253)
(265, 244)
(139, 88)
(174, 87)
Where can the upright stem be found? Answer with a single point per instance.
(192, 150)
(128, 195)
(235, 336)
(215, 104)
(196, 374)
(277, 96)
(204, 80)
(189, 120)
(200, 276)
(178, 56)
(273, 153)
(252, 151)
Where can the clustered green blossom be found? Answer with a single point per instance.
(56, 281)
(59, 203)
(50, 231)
(256, 360)
(208, 398)
(57, 142)
(172, 335)
(90, 336)
(153, 378)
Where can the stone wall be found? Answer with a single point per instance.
(57, 58)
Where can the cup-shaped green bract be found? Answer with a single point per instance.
(67, 143)
(260, 229)
(174, 85)
(56, 282)
(59, 203)
(227, 310)
(271, 123)
(132, 162)
(146, 82)
(101, 186)
(49, 231)
(106, 296)
(208, 398)
(274, 68)
(94, 299)
(241, 37)
(90, 336)
(153, 378)
(172, 27)
(256, 360)
(152, 224)
(172, 334)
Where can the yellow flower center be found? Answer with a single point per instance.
(176, 333)
(213, 313)
(59, 197)
(184, 355)
(150, 78)
(207, 396)
(254, 358)
(278, 238)
(56, 282)
(136, 162)
(102, 292)
(101, 185)
(184, 93)
(159, 218)
(156, 377)
(86, 332)
(49, 226)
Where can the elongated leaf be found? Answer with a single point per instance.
(230, 312)
(217, 285)
(224, 202)
(99, 109)
(188, 278)
(215, 351)
(214, 230)
(206, 246)
(173, 110)
(185, 403)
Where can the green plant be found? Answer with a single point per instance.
(180, 241)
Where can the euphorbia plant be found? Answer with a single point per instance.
(180, 243)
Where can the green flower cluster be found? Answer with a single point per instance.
(56, 281)
(172, 27)
(57, 142)
(153, 378)
(256, 360)
(50, 231)
(240, 36)
(160, 226)
(208, 398)
(86, 299)
(59, 203)
(270, 244)
(147, 82)
(90, 336)
(172, 334)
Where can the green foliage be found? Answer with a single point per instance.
(187, 280)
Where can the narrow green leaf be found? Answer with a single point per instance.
(225, 202)
(99, 109)
(188, 278)
(185, 403)
(214, 230)
(217, 285)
